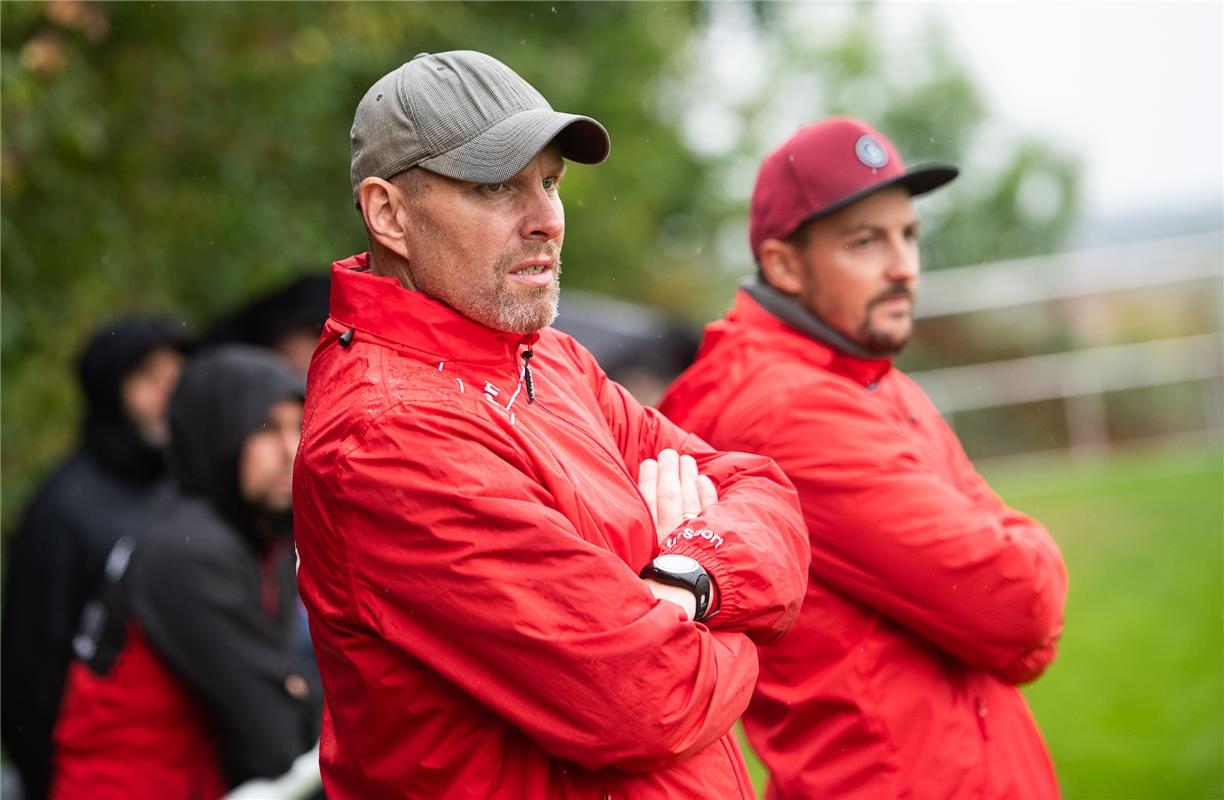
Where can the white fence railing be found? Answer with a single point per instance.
(1080, 378)
(1004, 284)
(1078, 372)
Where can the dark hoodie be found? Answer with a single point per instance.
(213, 587)
(103, 491)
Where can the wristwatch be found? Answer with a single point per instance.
(673, 569)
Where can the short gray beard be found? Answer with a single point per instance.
(498, 309)
(521, 315)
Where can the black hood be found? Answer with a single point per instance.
(299, 305)
(108, 434)
(223, 397)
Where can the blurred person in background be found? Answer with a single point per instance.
(638, 347)
(103, 491)
(286, 320)
(929, 600)
(521, 583)
(190, 677)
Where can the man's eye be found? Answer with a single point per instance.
(493, 188)
(550, 183)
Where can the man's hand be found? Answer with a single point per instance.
(675, 493)
(673, 490)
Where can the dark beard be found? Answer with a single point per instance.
(878, 342)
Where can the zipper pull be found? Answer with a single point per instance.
(527, 354)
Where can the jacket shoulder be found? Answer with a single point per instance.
(375, 387)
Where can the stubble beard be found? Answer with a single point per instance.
(526, 313)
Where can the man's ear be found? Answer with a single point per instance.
(385, 215)
(781, 266)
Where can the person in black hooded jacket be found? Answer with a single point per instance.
(102, 491)
(205, 684)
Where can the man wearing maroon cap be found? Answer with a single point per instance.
(929, 600)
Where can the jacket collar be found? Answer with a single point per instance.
(379, 305)
(760, 306)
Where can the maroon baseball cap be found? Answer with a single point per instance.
(824, 168)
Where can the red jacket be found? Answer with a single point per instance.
(928, 599)
(135, 734)
(469, 562)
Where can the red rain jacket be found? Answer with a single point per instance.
(469, 562)
(928, 599)
(135, 734)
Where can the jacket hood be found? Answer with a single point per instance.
(111, 354)
(297, 306)
(223, 397)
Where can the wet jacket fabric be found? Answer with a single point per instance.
(212, 648)
(929, 600)
(469, 561)
(103, 491)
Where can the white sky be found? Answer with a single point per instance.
(1135, 89)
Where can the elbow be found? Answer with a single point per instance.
(644, 747)
(1041, 625)
(671, 720)
(1046, 609)
(1029, 634)
(649, 744)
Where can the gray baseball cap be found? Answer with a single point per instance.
(464, 115)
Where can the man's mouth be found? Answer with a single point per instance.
(536, 272)
(893, 299)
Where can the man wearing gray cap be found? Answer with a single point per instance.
(521, 583)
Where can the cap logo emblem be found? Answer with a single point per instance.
(870, 152)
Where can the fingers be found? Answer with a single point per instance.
(706, 491)
(690, 501)
(648, 485)
(670, 499)
(674, 490)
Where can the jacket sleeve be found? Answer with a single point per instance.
(752, 542)
(200, 607)
(939, 554)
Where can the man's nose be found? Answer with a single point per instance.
(903, 261)
(545, 217)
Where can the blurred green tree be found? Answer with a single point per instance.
(183, 156)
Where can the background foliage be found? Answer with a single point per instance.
(183, 156)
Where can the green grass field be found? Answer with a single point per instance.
(1134, 706)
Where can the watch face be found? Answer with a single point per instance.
(676, 564)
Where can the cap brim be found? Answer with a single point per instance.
(916, 181)
(502, 151)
